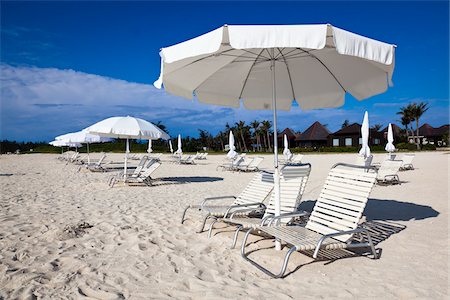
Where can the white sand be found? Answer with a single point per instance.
(137, 248)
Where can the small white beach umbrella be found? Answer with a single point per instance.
(170, 146)
(149, 149)
(83, 137)
(286, 152)
(365, 150)
(179, 150)
(61, 143)
(231, 153)
(390, 138)
(127, 128)
(270, 66)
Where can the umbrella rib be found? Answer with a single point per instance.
(203, 58)
(248, 74)
(289, 73)
(329, 71)
(234, 60)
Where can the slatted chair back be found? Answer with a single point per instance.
(293, 181)
(342, 200)
(389, 168)
(246, 162)
(140, 166)
(257, 190)
(149, 170)
(100, 161)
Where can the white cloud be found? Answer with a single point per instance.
(40, 103)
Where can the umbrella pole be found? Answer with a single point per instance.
(149, 149)
(127, 150)
(89, 160)
(276, 176)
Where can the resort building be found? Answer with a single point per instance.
(315, 136)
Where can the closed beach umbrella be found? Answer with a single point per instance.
(149, 149)
(179, 150)
(390, 138)
(170, 146)
(286, 152)
(365, 150)
(269, 66)
(231, 153)
(127, 128)
(83, 137)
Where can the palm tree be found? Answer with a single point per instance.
(240, 126)
(255, 124)
(266, 125)
(345, 124)
(407, 117)
(417, 110)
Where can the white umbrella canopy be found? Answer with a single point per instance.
(127, 128)
(269, 66)
(365, 150)
(62, 143)
(179, 150)
(231, 153)
(286, 152)
(390, 138)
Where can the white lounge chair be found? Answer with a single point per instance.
(407, 162)
(295, 159)
(257, 190)
(187, 160)
(387, 173)
(234, 163)
(293, 181)
(250, 166)
(333, 221)
(140, 176)
(98, 166)
(203, 155)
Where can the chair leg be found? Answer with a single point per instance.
(372, 247)
(184, 213)
(204, 223)
(285, 262)
(236, 233)
(211, 227)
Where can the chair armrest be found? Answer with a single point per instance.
(257, 204)
(326, 236)
(287, 216)
(215, 198)
(245, 210)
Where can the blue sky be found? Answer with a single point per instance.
(66, 65)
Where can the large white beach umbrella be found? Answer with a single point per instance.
(127, 128)
(365, 150)
(286, 152)
(179, 150)
(231, 153)
(83, 137)
(390, 138)
(269, 66)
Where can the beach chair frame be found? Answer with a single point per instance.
(343, 203)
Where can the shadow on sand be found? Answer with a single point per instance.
(188, 179)
(380, 222)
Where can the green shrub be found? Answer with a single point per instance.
(428, 147)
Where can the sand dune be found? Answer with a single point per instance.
(66, 234)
